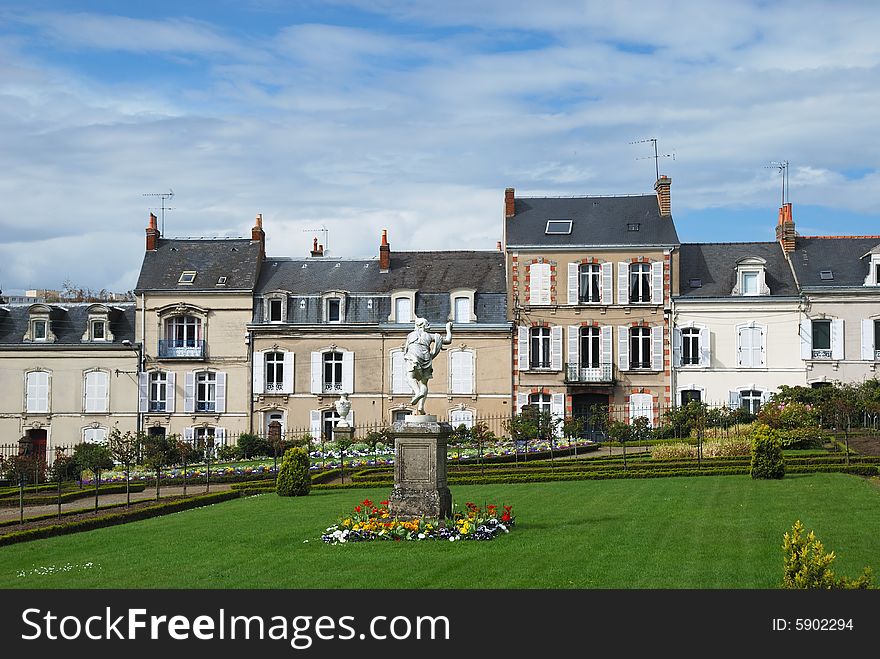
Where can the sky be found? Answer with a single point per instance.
(413, 116)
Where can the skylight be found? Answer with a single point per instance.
(187, 277)
(221, 281)
(633, 226)
(695, 283)
(558, 227)
(826, 274)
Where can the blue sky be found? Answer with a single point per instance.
(414, 116)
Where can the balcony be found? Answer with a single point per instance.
(181, 349)
(821, 353)
(577, 374)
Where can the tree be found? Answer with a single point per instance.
(294, 478)
(620, 432)
(767, 461)
(94, 457)
(573, 429)
(481, 434)
(160, 451)
(186, 453)
(459, 436)
(375, 437)
(839, 407)
(125, 449)
(807, 565)
(343, 442)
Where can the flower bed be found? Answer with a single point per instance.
(374, 522)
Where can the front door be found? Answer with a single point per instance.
(589, 407)
(36, 444)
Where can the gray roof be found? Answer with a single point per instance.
(714, 264)
(237, 259)
(595, 221)
(842, 255)
(68, 323)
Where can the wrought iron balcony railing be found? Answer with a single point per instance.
(579, 374)
(181, 349)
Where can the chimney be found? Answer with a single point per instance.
(152, 235)
(498, 246)
(663, 197)
(509, 199)
(785, 232)
(317, 250)
(257, 234)
(384, 253)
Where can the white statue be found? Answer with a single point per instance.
(419, 351)
(343, 407)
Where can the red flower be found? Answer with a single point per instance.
(375, 510)
(357, 509)
(384, 503)
(505, 517)
(367, 503)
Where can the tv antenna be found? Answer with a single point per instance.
(656, 156)
(782, 168)
(323, 230)
(163, 196)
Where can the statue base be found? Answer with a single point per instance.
(420, 486)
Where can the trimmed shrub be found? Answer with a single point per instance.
(293, 476)
(807, 565)
(800, 438)
(767, 460)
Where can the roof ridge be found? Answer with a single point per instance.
(843, 237)
(604, 196)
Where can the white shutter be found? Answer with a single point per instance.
(316, 373)
(556, 348)
(759, 337)
(461, 372)
(733, 399)
(606, 339)
(143, 391)
(259, 376)
(539, 283)
(521, 401)
(522, 348)
(220, 394)
(219, 436)
(557, 411)
(315, 423)
(607, 295)
(170, 381)
(765, 396)
(287, 385)
(574, 359)
(623, 283)
(350, 417)
(641, 405)
(657, 348)
(623, 348)
(189, 393)
(572, 283)
(806, 338)
(676, 347)
(657, 282)
(705, 348)
(348, 372)
(189, 433)
(868, 346)
(398, 373)
(741, 354)
(837, 340)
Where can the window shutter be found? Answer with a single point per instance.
(259, 377)
(521, 401)
(220, 394)
(539, 283)
(759, 338)
(189, 434)
(806, 338)
(837, 339)
(641, 405)
(676, 347)
(556, 348)
(574, 359)
(733, 399)
(606, 339)
(219, 436)
(607, 295)
(522, 348)
(623, 283)
(705, 348)
(316, 372)
(657, 348)
(765, 396)
(623, 348)
(572, 283)
(557, 411)
(143, 391)
(348, 372)
(170, 397)
(465, 376)
(741, 354)
(398, 373)
(868, 347)
(315, 422)
(657, 282)
(287, 385)
(350, 417)
(189, 393)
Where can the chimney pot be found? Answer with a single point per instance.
(384, 253)
(785, 231)
(152, 234)
(509, 202)
(258, 235)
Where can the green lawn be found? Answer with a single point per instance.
(702, 532)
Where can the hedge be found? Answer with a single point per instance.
(66, 497)
(66, 513)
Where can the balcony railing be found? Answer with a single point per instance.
(577, 374)
(181, 349)
(821, 354)
(877, 355)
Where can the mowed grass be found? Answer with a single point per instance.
(706, 532)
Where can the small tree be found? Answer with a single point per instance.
(480, 434)
(620, 432)
(374, 438)
(573, 429)
(186, 453)
(125, 449)
(160, 451)
(293, 478)
(767, 460)
(94, 457)
(806, 565)
(459, 436)
(343, 442)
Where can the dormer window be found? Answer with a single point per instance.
(403, 306)
(750, 282)
(461, 306)
(873, 278)
(751, 277)
(39, 330)
(99, 330)
(98, 325)
(334, 307)
(187, 277)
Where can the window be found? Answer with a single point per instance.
(187, 277)
(275, 310)
(539, 348)
(94, 435)
(589, 276)
(334, 310)
(877, 273)
(826, 275)
(690, 346)
(695, 283)
(402, 310)
(640, 282)
(274, 371)
(95, 391)
(541, 402)
(640, 347)
(558, 227)
(589, 347)
(330, 420)
(99, 328)
(40, 330)
(399, 415)
(206, 391)
(221, 281)
(687, 395)
(203, 436)
(750, 283)
(462, 306)
(461, 418)
(750, 346)
(158, 394)
(332, 381)
(37, 394)
(461, 372)
(183, 331)
(821, 333)
(539, 283)
(633, 226)
(750, 400)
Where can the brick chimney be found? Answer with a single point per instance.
(152, 235)
(664, 200)
(258, 235)
(509, 202)
(384, 253)
(498, 246)
(785, 232)
(317, 250)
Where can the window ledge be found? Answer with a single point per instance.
(646, 371)
(542, 370)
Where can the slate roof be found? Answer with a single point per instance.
(237, 259)
(68, 322)
(842, 255)
(595, 221)
(715, 265)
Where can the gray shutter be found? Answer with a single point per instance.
(573, 346)
(521, 401)
(348, 372)
(868, 346)
(623, 348)
(315, 423)
(676, 347)
(837, 339)
(189, 434)
(806, 338)
(705, 348)
(606, 339)
(556, 348)
(657, 348)
(522, 347)
(398, 373)
(287, 386)
(657, 282)
(219, 436)
(733, 399)
(143, 391)
(572, 283)
(607, 294)
(623, 283)
(350, 417)
(557, 411)
(220, 394)
(259, 374)
(316, 373)
(743, 352)
(170, 391)
(189, 393)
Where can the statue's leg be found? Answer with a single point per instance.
(423, 395)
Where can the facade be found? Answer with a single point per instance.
(68, 373)
(591, 280)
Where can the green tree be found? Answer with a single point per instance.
(186, 454)
(160, 451)
(620, 432)
(293, 478)
(94, 457)
(767, 461)
(125, 447)
(343, 442)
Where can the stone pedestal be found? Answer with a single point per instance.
(420, 487)
(343, 433)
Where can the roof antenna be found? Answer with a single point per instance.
(324, 230)
(163, 196)
(782, 167)
(656, 156)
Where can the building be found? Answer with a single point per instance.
(590, 285)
